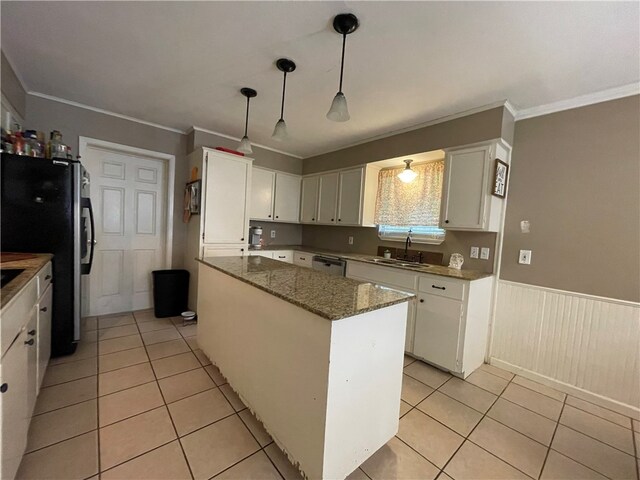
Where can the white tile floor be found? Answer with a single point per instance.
(139, 400)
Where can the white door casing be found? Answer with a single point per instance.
(132, 195)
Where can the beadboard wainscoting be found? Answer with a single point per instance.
(582, 344)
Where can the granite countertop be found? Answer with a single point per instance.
(372, 259)
(32, 264)
(328, 296)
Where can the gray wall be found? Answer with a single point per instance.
(261, 156)
(286, 233)
(575, 176)
(460, 131)
(12, 89)
(365, 240)
(47, 115)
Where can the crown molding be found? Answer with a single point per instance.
(446, 118)
(581, 101)
(236, 139)
(105, 112)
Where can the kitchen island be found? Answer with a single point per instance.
(317, 358)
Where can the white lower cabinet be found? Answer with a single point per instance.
(448, 323)
(303, 259)
(26, 347)
(224, 251)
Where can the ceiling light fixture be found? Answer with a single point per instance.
(407, 175)
(245, 144)
(344, 24)
(286, 66)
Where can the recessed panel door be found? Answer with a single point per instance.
(129, 196)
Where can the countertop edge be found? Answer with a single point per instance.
(17, 284)
(307, 307)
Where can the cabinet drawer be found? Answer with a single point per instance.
(283, 255)
(17, 314)
(44, 278)
(442, 286)
(255, 253)
(384, 275)
(303, 259)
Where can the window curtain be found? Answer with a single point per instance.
(409, 204)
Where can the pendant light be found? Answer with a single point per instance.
(407, 175)
(344, 24)
(286, 66)
(245, 144)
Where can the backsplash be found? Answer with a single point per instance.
(365, 240)
(286, 233)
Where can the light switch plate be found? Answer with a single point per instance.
(525, 257)
(350, 240)
(484, 253)
(474, 252)
(273, 234)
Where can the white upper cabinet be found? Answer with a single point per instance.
(263, 184)
(226, 203)
(287, 202)
(350, 204)
(309, 199)
(467, 202)
(328, 198)
(275, 196)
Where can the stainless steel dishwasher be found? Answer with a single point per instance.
(330, 265)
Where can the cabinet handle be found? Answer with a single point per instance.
(44, 309)
(277, 216)
(332, 219)
(439, 288)
(313, 219)
(30, 342)
(268, 216)
(47, 277)
(4, 387)
(282, 256)
(446, 221)
(32, 332)
(422, 300)
(242, 239)
(339, 219)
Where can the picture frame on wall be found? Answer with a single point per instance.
(500, 179)
(193, 194)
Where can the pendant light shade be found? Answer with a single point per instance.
(407, 175)
(280, 131)
(344, 24)
(245, 143)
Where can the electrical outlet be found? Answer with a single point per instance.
(273, 234)
(474, 252)
(484, 253)
(350, 240)
(525, 257)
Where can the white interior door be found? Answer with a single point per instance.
(129, 194)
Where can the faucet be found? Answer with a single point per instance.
(407, 244)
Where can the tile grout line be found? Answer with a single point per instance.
(544, 462)
(164, 400)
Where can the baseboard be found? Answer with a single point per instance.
(609, 403)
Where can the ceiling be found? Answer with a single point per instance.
(182, 63)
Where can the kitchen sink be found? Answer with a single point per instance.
(9, 274)
(398, 263)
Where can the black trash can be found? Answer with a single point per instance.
(170, 292)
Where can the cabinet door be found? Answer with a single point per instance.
(229, 251)
(263, 184)
(350, 200)
(44, 333)
(437, 330)
(14, 423)
(302, 259)
(309, 200)
(287, 204)
(465, 188)
(328, 198)
(31, 343)
(226, 201)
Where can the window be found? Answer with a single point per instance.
(414, 206)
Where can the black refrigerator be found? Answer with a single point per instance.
(45, 208)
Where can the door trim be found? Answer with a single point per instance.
(87, 142)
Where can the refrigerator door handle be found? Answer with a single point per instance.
(86, 203)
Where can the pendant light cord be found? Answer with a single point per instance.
(344, 42)
(246, 120)
(284, 87)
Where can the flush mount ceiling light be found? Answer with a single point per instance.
(245, 144)
(344, 24)
(407, 175)
(286, 66)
